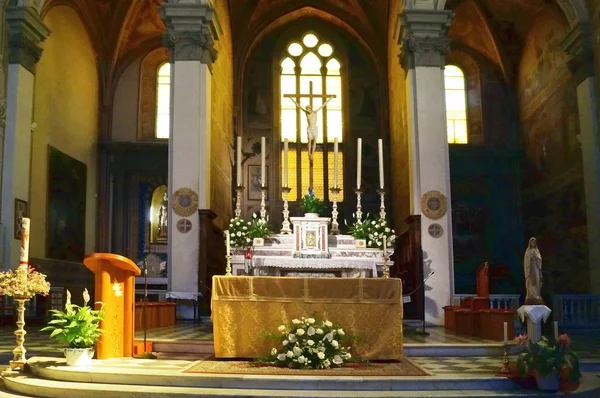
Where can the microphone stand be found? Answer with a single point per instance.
(145, 354)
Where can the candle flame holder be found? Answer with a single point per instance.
(263, 203)
(228, 265)
(19, 359)
(286, 227)
(335, 226)
(505, 362)
(358, 193)
(381, 193)
(238, 201)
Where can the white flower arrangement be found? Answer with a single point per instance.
(373, 229)
(239, 233)
(310, 343)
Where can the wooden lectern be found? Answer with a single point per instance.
(115, 286)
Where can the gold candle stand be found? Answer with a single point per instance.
(286, 228)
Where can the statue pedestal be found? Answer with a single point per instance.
(535, 314)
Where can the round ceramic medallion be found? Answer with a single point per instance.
(185, 202)
(434, 205)
(435, 230)
(184, 226)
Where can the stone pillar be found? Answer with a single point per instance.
(579, 46)
(192, 30)
(25, 32)
(424, 46)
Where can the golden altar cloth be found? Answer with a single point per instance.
(245, 307)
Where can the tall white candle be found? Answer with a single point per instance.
(358, 162)
(238, 161)
(380, 145)
(24, 259)
(556, 330)
(263, 158)
(227, 243)
(285, 163)
(335, 162)
(505, 332)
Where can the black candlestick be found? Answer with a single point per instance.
(145, 354)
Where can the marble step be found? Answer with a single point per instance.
(31, 386)
(410, 350)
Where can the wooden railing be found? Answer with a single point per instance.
(576, 310)
(497, 301)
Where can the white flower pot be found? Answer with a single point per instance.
(549, 383)
(311, 215)
(258, 242)
(360, 243)
(79, 356)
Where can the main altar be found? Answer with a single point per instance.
(310, 251)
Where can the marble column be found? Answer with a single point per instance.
(192, 30)
(424, 46)
(579, 46)
(25, 32)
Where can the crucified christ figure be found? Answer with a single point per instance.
(312, 130)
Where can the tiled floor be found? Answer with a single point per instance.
(38, 344)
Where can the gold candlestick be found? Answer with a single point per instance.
(358, 192)
(228, 265)
(263, 204)
(386, 266)
(286, 228)
(238, 201)
(381, 193)
(505, 362)
(335, 226)
(19, 359)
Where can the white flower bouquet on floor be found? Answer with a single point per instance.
(310, 343)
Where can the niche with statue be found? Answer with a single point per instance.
(159, 211)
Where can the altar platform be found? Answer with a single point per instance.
(183, 346)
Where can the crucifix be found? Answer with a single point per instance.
(312, 130)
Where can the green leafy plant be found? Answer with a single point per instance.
(311, 204)
(548, 356)
(25, 282)
(239, 233)
(373, 229)
(78, 327)
(309, 343)
(259, 228)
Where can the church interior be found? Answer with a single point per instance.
(141, 128)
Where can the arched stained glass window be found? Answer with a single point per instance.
(163, 97)
(456, 105)
(309, 72)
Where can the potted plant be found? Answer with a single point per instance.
(547, 359)
(311, 205)
(79, 328)
(259, 230)
(239, 233)
(370, 233)
(24, 283)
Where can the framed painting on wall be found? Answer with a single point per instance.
(21, 210)
(255, 182)
(65, 234)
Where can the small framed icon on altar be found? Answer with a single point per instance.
(255, 182)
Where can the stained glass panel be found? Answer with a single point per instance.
(163, 98)
(292, 172)
(456, 105)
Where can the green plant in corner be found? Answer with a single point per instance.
(311, 204)
(77, 326)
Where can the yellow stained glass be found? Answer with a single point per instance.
(311, 78)
(292, 173)
(456, 105)
(163, 100)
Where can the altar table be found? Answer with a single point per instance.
(244, 307)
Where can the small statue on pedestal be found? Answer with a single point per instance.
(532, 264)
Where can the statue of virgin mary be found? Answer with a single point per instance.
(532, 263)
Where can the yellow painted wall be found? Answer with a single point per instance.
(66, 113)
(222, 119)
(400, 183)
